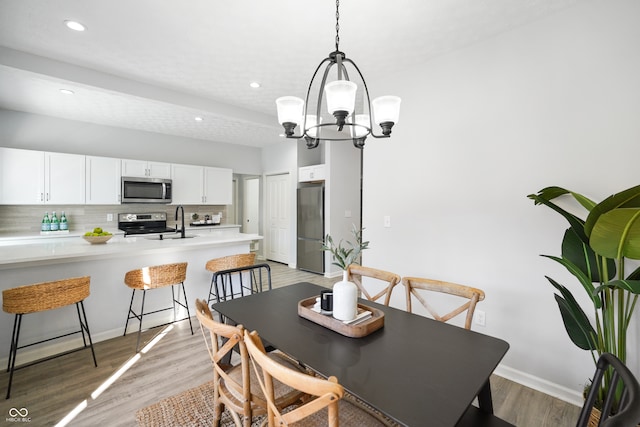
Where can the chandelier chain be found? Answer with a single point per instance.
(337, 24)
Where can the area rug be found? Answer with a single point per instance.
(194, 408)
(191, 408)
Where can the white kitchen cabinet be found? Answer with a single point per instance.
(195, 185)
(145, 168)
(187, 184)
(35, 177)
(64, 178)
(103, 181)
(311, 173)
(218, 186)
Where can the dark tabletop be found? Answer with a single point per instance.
(416, 370)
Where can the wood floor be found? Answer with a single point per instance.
(179, 361)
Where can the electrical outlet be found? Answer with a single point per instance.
(480, 317)
(109, 217)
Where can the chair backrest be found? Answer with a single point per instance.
(156, 276)
(45, 296)
(233, 336)
(623, 384)
(414, 286)
(328, 391)
(356, 272)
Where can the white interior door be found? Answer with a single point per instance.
(277, 208)
(250, 222)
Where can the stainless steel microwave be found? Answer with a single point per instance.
(146, 190)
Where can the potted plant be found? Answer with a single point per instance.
(595, 251)
(345, 293)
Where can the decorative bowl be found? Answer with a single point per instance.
(94, 240)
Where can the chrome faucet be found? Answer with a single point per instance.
(179, 207)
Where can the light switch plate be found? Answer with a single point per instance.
(387, 221)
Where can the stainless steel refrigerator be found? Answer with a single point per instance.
(311, 228)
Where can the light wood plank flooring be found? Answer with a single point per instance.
(179, 361)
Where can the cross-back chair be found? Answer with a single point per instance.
(627, 414)
(418, 287)
(356, 272)
(327, 408)
(236, 387)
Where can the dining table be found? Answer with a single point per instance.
(415, 370)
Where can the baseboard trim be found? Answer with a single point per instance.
(547, 387)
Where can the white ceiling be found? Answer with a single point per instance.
(154, 65)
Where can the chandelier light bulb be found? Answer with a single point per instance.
(341, 96)
(360, 131)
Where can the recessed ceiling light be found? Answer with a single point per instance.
(254, 85)
(74, 25)
(67, 91)
(199, 119)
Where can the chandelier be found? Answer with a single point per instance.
(341, 94)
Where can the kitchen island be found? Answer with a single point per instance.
(27, 261)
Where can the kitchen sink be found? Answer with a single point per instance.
(170, 237)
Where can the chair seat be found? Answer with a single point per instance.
(284, 394)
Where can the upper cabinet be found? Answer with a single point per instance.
(36, 177)
(103, 181)
(144, 168)
(187, 184)
(311, 173)
(201, 185)
(218, 186)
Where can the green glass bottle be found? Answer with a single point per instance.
(64, 225)
(46, 224)
(55, 224)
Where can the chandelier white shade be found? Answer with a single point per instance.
(342, 98)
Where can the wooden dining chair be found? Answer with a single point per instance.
(356, 272)
(417, 287)
(327, 408)
(236, 387)
(623, 382)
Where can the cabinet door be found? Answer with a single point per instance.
(218, 186)
(21, 177)
(187, 184)
(159, 170)
(64, 178)
(103, 181)
(134, 167)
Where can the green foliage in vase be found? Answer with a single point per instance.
(594, 251)
(343, 256)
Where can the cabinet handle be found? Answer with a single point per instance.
(47, 197)
(42, 197)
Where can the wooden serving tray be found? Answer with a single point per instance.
(362, 329)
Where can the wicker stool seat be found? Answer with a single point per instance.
(42, 297)
(221, 289)
(158, 276)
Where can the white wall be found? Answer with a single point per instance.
(553, 103)
(37, 132)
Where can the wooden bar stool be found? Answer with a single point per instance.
(154, 277)
(42, 297)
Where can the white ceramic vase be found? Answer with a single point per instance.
(345, 299)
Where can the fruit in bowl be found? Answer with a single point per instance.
(98, 235)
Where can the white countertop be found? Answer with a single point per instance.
(17, 253)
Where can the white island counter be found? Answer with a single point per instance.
(35, 260)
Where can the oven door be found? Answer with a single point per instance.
(146, 190)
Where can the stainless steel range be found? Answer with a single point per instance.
(145, 223)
